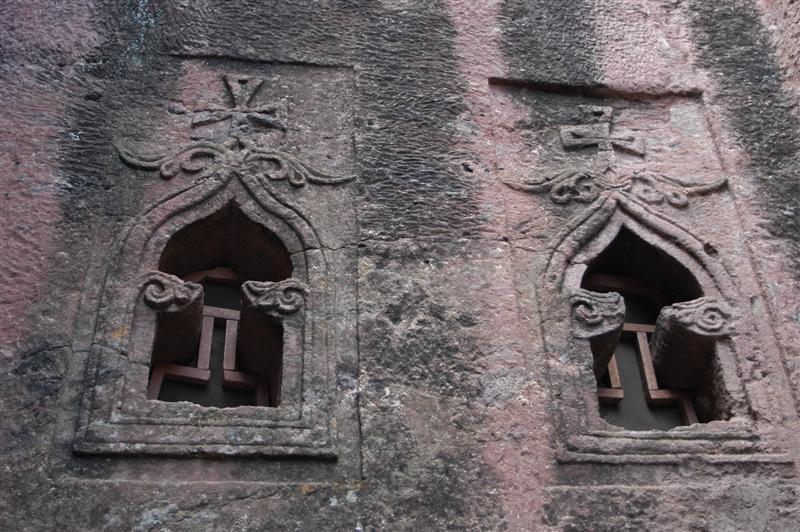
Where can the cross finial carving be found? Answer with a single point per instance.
(599, 132)
(242, 115)
(223, 153)
(604, 177)
(242, 89)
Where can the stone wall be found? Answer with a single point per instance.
(441, 174)
(783, 18)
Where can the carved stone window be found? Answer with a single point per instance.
(213, 352)
(599, 193)
(237, 243)
(227, 318)
(651, 371)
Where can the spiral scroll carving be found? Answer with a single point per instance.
(705, 316)
(202, 160)
(166, 293)
(283, 297)
(595, 314)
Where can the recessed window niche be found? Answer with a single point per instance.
(218, 352)
(644, 385)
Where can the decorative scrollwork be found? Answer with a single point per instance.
(565, 187)
(655, 189)
(278, 166)
(284, 297)
(234, 152)
(578, 186)
(605, 177)
(586, 187)
(199, 160)
(166, 293)
(684, 340)
(705, 316)
(595, 313)
(240, 154)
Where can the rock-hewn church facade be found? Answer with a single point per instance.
(400, 265)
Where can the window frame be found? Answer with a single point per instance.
(116, 415)
(580, 435)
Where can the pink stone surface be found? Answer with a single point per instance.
(34, 101)
(461, 395)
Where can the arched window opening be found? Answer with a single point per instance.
(634, 391)
(219, 353)
(227, 237)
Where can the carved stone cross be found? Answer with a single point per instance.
(598, 132)
(224, 153)
(243, 117)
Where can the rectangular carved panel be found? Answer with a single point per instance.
(276, 142)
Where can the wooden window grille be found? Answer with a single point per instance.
(611, 391)
(200, 372)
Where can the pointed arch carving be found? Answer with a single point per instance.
(583, 436)
(588, 234)
(117, 416)
(597, 181)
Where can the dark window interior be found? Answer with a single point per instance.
(648, 279)
(242, 250)
(227, 238)
(663, 280)
(213, 393)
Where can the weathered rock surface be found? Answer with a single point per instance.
(411, 157)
